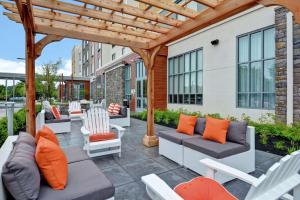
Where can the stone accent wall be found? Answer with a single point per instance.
(115, 86)
(296, 72)
(281, 65)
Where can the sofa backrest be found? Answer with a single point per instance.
(4, 153)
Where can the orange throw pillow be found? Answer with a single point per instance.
(216, 130)
(201, 188)
(47, 133)
(55, 112)
(102, 137)
(52, 163)
(76, 112)
(186, 124)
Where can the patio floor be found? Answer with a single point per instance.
(137, 160)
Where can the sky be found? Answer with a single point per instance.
(12, 46)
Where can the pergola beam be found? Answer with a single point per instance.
(206, 18)
(292, 5)
(97, 14)
(45, 14)
(134, 11)
(50, 27)
(40, 45)
(172, 7)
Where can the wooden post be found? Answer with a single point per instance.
(149, 56)
(30, 79)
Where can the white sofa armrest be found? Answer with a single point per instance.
(120, 129)
(158, 189)
(214, 166)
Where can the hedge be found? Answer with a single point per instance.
(283, 138)
(19, 123)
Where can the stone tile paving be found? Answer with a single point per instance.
(136, 161)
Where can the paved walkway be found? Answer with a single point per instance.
(136, 161)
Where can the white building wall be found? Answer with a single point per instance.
(219, 62)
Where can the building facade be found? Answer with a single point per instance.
(251, 70)
(77, 61)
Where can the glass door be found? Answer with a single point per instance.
(141, 87)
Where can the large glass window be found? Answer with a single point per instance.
(127, 82)
(256, 70)
(185, 78)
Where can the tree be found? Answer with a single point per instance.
(46, 80)
(20, 89)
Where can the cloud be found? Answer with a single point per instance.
(11, 66)
(66, 68)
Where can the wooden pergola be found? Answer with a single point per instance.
(145, 26)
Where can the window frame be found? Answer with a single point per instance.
(127, 80)
(249, 62)
(181, 98)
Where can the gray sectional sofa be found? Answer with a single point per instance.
(21, 178)
(122, 119)
(186, 150)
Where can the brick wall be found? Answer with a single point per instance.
(281, 65)
(296, 72)
(115, 86)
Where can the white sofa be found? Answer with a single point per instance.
(183, 149)
(57, 125)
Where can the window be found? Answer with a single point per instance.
(127, 82)
(123, 50)
(113, 56)
(185, 75)
(256, 70)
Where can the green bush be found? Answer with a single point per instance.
(19, 123)
(266, 127)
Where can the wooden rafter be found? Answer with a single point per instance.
(207, 17)
(45, 14)
(96, 14)
(208, 3)
(134, 11)
(172, 7)
(45, 26)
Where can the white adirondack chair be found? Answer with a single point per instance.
(280, 179)
(75, 110)
(96, 121)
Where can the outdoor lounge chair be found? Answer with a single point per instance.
(279, 180)
(92, 184)
(75, 110)
(98, 138)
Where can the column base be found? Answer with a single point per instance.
(150, 141)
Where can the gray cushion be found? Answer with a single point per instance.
(63, 119)
(123, 111)
(85, 181)
(20, 173)
(174, 136)
(200, 126)
(26, 138)
(116, 116)
(215, 149)
(237, 132)
(75, 154)
(49, 115)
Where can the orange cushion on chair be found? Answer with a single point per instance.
(55, 112)
(75, 112)
(216, 130)
(52, 163)
(186, 124)
(47, 133)
(102, 137)
(201, 188)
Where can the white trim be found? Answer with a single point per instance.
(289, 70)
(258, 7)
